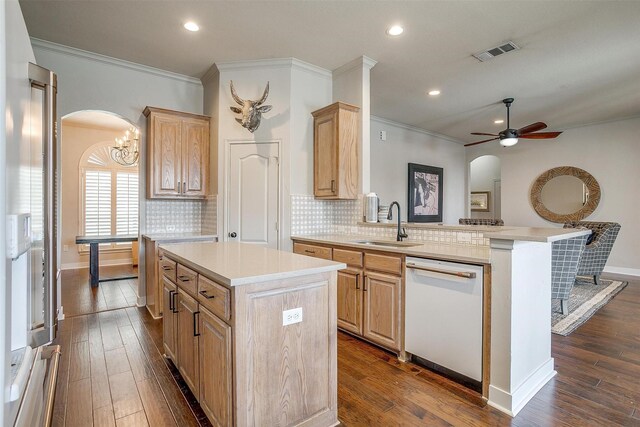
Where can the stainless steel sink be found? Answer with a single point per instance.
(387, 243)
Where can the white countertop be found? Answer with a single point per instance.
(460, 253)
(179, 237)
(537, 234)
(235, 264)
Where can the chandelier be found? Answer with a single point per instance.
(125, 152)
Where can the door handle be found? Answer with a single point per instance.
(465, 274)
(233, 235)
(364, 284)
(196, 333)
(358, 281)
(171, 300)
(179, 187)
(333, 185)
(184, 187)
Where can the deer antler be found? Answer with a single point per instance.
(235, 95)
(264, 95)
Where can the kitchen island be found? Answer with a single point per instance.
(253, 332)
(514, 301)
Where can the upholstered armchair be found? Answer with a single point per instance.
(480, 221)
(598, 247)
(565, 258)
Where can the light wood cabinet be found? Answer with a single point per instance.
(169, 320)
(381, 309)
(177, 154)
(188, 353)
(215, 368)
(350, 300)
(312, 250)
(335, 152)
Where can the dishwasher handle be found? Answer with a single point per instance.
(465, 274)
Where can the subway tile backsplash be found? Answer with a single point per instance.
(313, 216)
(173, 216)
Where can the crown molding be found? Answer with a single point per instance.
(415, 129)
(211, 74)
(96, 57)
(272, 63)
(363, 61)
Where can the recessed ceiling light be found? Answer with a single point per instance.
(498, 122)
(191, 26)
(434, 92)
(395, 30)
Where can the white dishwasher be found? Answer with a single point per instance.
(443, 324)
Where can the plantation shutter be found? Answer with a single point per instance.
(97, 204)
(126, 203)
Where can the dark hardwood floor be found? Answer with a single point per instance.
(112, 373)
(80, 298)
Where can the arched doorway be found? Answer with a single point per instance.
(485, 183)
(98, 197)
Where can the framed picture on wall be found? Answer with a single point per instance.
(425, 193)
(480, 201)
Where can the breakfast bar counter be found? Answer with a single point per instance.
(253, 332)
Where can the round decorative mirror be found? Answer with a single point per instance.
(565, 194)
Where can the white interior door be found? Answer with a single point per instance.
(253, 179)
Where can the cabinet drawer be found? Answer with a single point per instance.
(187, 279)
(312, 250)
(215, 297)
(168, 267)
(353, 258)
(386, 263)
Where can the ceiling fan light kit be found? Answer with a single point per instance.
(509, 137)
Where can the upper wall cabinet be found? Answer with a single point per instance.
(335, 152)
(177, 154)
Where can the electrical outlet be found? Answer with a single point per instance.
(171, 228)
(65, 248)
(289, 317)
(383, 135)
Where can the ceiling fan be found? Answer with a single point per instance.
(509, 137)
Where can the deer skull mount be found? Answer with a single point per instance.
(251, 110)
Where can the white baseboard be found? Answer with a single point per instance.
(512, 403)
(142, 301)
(61, 313)
(103, 263)
(633, 272)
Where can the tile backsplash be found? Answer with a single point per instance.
(173, 216)
(314, 216)
(210, 215)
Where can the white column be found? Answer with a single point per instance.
(521, 361)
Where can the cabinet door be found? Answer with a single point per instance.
(167, 155)
(169, 320)
(188, 341)
(195, 157)
(215, 368)
(382, 309)
(350, 301)
(326, 155)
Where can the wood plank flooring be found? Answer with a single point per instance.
(112, 372)
(78, 297)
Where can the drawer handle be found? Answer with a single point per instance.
(167, 268)
(196, 333)
(207, 296)
(465, 274)
(184, 278)
(307, 251)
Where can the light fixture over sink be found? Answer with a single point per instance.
(125, 151)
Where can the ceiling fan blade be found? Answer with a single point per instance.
(487, 134)
(540, 135)
(480, 142)
(534, 127)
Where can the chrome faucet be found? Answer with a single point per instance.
(401, 234)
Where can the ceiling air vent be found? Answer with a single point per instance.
(495, 51)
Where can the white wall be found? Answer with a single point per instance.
(404, 145)
(15, 54)
(610, 152)
(483, 172)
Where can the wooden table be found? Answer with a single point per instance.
(94, 242)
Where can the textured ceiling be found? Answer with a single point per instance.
(579, 62)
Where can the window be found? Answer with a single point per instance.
(109, 196)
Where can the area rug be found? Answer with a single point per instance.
(586, 298)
